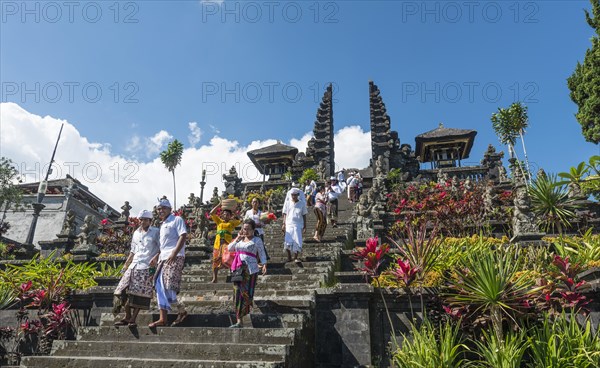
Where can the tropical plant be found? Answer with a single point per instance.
(308, 175)
(430, 346)
(585, 80)
(487, 283)
(509, 124)
(109, 270)
(562, 342)
(419, 246)
(584, 249)
(47, 272)
(7, 296)
(551, 203)
(171, 158)
(496, 352)
(457, 207)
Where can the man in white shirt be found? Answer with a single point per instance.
(171, 259)
(294, 224)
(333, 192)
(135, 288)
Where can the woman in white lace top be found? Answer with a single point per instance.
(249, 250)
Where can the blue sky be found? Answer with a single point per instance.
(163, 64)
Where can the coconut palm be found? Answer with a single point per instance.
(509, 124)
(550, 202)
(171, 158)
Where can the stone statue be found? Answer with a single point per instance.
(322, 170)
(364, 221)
(488, 199)
(541, 173)
(575, 191)
(467, 185)
(89, 232)
(502, 177)
(69, 225)
(245, 204)
(454, 184)
(271, 203)
(442, 177)
(379, 169)
(192, 200)
(523, 220)
(215, 200)
(125, 214)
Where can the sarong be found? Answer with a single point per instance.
(134, 290)
(167, 283)
(243, 293)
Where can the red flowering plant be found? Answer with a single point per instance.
(458, 208)
(116, 239)
(370, 257)
(563, 290)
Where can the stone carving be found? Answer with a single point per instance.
(493, 161)
(87, 236)
(125, 213)
(442, 177)
(322, 170)
(502, 176)
(233, 183)
(467, 186)
(155, 217)
(541, 173)
(68, 228)
(321, 146)
(364, 221)
(215, 200)
(192, 200)
(488, 199)
(523, 220)
(575, 191)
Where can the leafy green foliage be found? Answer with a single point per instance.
(308, 175)
(46, 272)
(562, 342)
(506, 352)
(551, 203)
(509, 123)
(489, 284)
(7, 296)
(428, 346)
(585, 81)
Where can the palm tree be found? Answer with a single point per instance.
(509, 124)
(171, 158)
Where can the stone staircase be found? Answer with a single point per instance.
(279, 332)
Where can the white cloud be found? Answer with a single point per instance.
(352, 147)
(301, 143)
(28, 140)
(214, 129)
(195, 133)
(155, 143)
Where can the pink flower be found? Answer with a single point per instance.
(104, 222)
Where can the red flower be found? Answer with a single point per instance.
(25, 287)
(455, 313)
(104, 222)
(406, 272)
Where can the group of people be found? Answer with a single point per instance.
(155, 263)
(157, 256)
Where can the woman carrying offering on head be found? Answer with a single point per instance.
(226, 224)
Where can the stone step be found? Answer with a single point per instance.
(222, 285)
(282, 305)
(209, 324)
(227, 294)
(106, 362)
(268, 278)
(215, 350)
